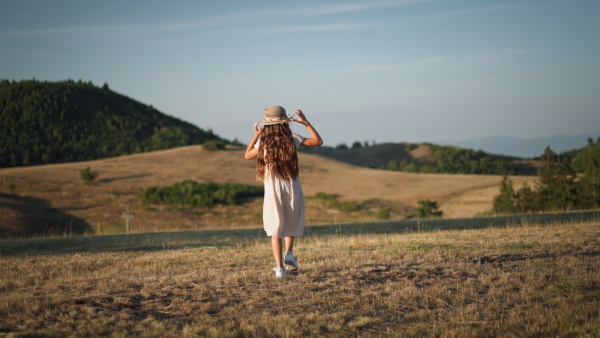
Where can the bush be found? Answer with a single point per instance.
(428, 209)
(87, 175)
(325, 196)
(213, 145)
(334, 203)
(382, 214)
(202, 194)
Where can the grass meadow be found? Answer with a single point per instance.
(370, 279)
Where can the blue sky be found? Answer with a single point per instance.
(384, 71)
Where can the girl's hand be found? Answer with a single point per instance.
(301, 118)
(256, 128)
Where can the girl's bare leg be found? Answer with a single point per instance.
(289, 244)
(276, 245)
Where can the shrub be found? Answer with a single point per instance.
(202, 194)
(382, 214)
(325, 196)
(428, 209)
(334, 203)
(213, 145)
(87, 175)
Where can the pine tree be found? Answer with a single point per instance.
(589, 187)
(527, 200)
(428, 209)
(505, 202)
(564, 190)
(556, 182)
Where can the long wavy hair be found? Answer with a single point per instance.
(277, 153)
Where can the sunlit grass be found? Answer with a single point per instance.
(363, 279)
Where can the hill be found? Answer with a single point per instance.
(59, 122)
(121, 180)
(428, 158)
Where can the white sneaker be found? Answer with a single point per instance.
(280, 272)
(291, 261)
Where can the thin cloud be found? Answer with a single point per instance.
(416, 64)
(489, 58)
(345, 8)
(322, 10)
(481, 81)
(222, 20)
(496, 8)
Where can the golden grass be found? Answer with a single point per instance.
(458, 195)
(55, 198)
(528, 280)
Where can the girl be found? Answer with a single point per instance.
(277, 167)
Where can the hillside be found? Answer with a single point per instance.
(428, 158)
(59, 122)
(121, 180)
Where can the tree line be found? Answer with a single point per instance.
(451, 160)
(66, 121)
(558, 186)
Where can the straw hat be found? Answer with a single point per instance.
(275, 115)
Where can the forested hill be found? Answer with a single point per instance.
(427, 158)
(54, 122)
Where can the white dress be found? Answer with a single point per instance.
(283, 208)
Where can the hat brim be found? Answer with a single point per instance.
(269, 123)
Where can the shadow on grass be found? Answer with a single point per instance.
(108, 180)
(22, 216)
(227, 238)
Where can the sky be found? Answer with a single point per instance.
(374, 71)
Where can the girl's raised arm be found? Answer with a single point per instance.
(252, 152)
(315, 139)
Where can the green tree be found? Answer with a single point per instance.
(428, 209)
(588, 160)
(213, 145)
(527, 200)
(169, 137)
(393, 165)
(556, 182)
(505, 202)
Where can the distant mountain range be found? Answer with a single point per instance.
(522, 147)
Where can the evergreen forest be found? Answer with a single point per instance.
(563, 184)
(67, 121)
(452, 160)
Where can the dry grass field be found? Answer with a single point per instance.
(371, 279)
(55, 193)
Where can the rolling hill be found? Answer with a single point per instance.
(121, 180)
(428, 158)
